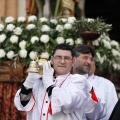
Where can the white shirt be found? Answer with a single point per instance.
(67, 100)
(106, 91)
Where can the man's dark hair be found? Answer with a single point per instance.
(84, 49)
(63, 46)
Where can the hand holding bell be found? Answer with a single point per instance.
(37, 65)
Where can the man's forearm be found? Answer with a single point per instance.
(25, 95)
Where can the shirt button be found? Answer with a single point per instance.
(46, 101)
(43, 114)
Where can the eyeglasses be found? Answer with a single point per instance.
(59, 58)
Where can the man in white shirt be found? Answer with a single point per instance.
(61, 97)
(104, 89)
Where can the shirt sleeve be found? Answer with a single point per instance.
(94, 110)
(23, 101)
(19, 106)
(70, 97)
(111, 99)
(25, 95)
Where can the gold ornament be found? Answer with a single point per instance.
(37, 65)
(33, 67)
(41, 63)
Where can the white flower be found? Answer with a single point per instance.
(17, 31)
(2, 53)
(1, 27)
(79, 41)
(10, 54)
(14, 39)
(114, 43)
(30, 26)
(54, 21)
(90, 20)
(33, 39)
(64, 20)
(23, 53)
(59, 28)
(44, 38)
(104, 57)
(70, 41)
(107, 38)
(45, 28)
(9, 19)
(95, 43)
(43, 19)
(2, 38)
(21, 19)
(44, 55)
(32, 18)
(106, 44)
(67, 26)
(71, 19)
(22, 44)
(115, 52)
(98, 55)
(32, 55)
(60, 40)
(101, 60)
(10, 27)
(116, 66)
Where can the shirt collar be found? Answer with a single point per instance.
(62, 77)
(86, 76)
(91, 76)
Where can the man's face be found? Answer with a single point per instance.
(83, 63)
(62, 62)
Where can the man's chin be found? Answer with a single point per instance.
(86, 71)
(62, 72)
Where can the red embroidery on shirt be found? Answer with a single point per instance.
(50, 109)
(42, 106)
(34, 102)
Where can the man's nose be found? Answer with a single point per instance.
(89, 61)
(62, 60)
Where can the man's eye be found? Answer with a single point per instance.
(57, 57)
(67, 58)
(85, 58)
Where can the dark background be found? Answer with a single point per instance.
(109, 10)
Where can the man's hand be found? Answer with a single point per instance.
(48, 75)
(88, 86)
(31, 79)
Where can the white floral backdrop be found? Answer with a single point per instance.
(20, 40)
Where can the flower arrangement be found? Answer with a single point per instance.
(107, 54)
(23, 37)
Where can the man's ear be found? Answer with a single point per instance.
(51, 60)
(74, 60)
